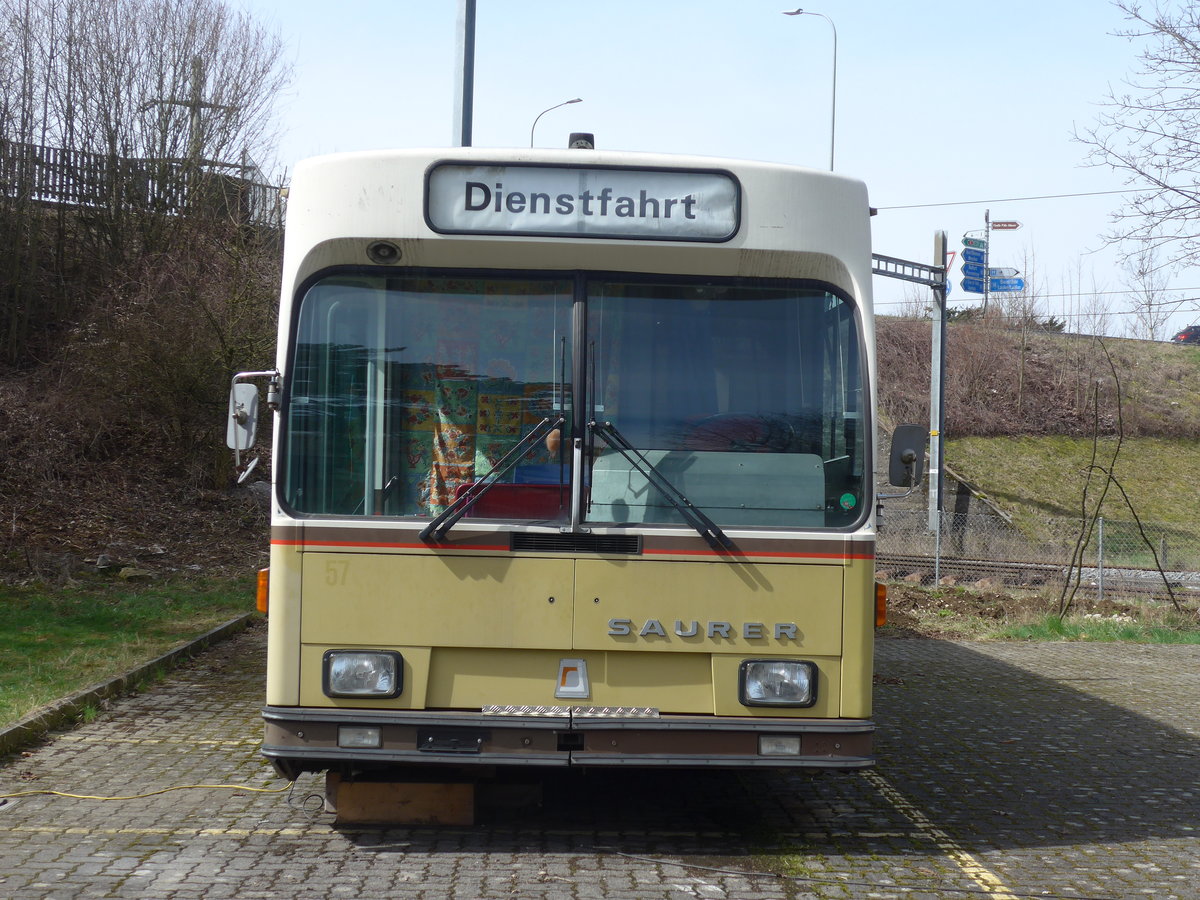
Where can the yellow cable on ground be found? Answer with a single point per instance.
(181, 787)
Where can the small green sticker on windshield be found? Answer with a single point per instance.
(849, 501)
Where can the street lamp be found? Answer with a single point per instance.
(544, 111)
(833, 105)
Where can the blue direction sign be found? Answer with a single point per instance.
(1006, 285)
(973, 270)
(974, 256)
(975, 243)
(972, 285)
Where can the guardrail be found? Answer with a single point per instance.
(43, 174)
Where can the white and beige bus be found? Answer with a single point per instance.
(572, 464)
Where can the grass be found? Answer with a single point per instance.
(54, 642)
(1102, 629)
(967, 614)
(1039, 479)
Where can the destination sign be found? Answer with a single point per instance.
(974, 256)
(975, 243)
(1004, 272)
(581, 201)
(972, 285)
(1006, 285)
(973, 270)
(1005, 226)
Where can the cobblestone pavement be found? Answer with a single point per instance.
(1006, 770)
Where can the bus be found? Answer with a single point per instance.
(572, 464)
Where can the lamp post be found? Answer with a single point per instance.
(833, 104)
(544, 111)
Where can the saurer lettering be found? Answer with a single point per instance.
(783, 631)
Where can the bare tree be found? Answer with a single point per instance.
(915, 303)
(1024, 308)
(1147, 282)
(139, 113)
(1089, 309)
(1149, 131)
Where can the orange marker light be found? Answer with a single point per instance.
(880, 604)
(261, 590)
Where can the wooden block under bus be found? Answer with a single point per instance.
(399, 802)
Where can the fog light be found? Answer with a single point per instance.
(359, 736)
(778, 745)
(777, 682)
(362, 673)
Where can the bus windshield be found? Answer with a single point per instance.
(744, 396)
(406, 390)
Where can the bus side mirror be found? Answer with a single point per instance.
(242, 426)
(907, 461)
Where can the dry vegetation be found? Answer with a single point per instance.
(1004, 382)
(983, 613)
(138, 268)
(72, 495)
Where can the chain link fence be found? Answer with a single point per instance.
(1110, 557)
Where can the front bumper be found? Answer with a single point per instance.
(306, 739)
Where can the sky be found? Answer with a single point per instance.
(947, 110)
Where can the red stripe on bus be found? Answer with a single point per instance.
(737, 555)
(385, 546)
(504, 548)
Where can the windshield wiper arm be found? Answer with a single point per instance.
(440, 526)
(707, 528)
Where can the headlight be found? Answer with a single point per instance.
(777, 682)
(362, 673)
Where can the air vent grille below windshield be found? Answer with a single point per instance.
(577, 543)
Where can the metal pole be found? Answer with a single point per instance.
(544, 111)
(936, 393)
(937, 401)
(833, 99)
(1100, 558)
(196, 136)
(987, 249)
(464, 96)
(833, 103)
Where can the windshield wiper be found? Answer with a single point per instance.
(707, 528)
(440, 526)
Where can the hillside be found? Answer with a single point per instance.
(1035, 424)
(1001, 382)
(1020, 415)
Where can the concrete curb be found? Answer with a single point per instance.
(48, 718)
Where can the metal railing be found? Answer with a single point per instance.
(1109, 556)
(42, 174)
